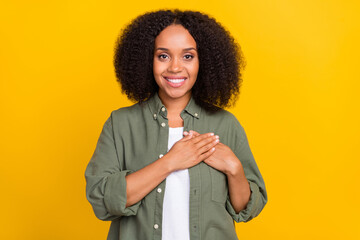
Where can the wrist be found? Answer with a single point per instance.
(166, 164)
(235, 169)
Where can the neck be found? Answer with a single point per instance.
(175, 106)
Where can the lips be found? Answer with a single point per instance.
(175, 81)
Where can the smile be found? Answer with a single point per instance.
(175, 80)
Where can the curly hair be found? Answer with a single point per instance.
(220, 58)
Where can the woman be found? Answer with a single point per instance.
(175, 165)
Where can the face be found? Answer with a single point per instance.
(176, 63)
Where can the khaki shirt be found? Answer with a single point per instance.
(135, 136)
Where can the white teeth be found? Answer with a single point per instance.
(175, 80)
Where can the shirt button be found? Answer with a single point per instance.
(159, 190)
(163, 124)
(156, 226)
(196, 114)
(160, 156)
(163, 109)
(155, 115)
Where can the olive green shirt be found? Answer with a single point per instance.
(135, 136)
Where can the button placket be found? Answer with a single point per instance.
(161, 149)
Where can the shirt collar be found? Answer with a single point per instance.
(157, 107)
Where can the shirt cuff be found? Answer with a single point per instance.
(248, 213)
(115, 195)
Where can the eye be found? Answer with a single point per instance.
(188, 56)
(163, 56)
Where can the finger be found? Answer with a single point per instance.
(201, 137)
(206, 145)
(186, 138)
(194, 133)
(206, 141)
(207, 154)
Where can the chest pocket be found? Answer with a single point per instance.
(219, 188)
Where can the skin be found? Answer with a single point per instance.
(176, 57)
(226, 161)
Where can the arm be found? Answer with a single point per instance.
(105, 179)
(226, 161)
(247, 194)
(114, 192)
(258, 197)
(239, 188)
(184, 154)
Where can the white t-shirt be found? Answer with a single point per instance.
(175, 222)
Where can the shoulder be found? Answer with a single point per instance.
(125, 115)
(227, 125)
(224, 117)
(128, 112)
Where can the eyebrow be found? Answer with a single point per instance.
(185, 49)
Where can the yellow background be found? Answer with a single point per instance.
(299, 106)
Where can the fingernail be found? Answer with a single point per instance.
(217, 136)
(186, 133)
(211, 134)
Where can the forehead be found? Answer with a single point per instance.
(175, 36)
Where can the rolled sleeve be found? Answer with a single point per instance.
(115, 196)
(252, 208)
(105, 179)
(258, 197)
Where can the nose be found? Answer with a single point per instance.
(175, 65)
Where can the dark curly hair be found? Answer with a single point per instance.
(220, 58)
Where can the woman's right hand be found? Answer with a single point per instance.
(191, 150)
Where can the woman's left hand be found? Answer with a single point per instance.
(223, 159)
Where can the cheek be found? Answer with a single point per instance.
(157, 71)
(194, 69)
(158, 68)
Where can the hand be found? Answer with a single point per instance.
(191, 150)
(223, 159)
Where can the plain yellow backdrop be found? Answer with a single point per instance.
(299, 105)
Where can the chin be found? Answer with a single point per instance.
(176, 94)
